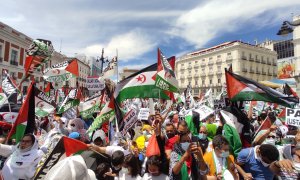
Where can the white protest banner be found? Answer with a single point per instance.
(144, 114)
(219, 103)
(293, 117)
(129, 119)
(204, 111)
(93, 83)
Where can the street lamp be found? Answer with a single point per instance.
(286, 28)
(102, 59)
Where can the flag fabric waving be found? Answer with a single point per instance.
(62, 71)
(71, 100)
(39, 52)
(110, 70)
(25, 122)
(243, 89)
(44, 104)
(165, 78)
(289, 91)
(9, 88)
(106, 114)
(64, 148)
(90, 106)
(49, 90)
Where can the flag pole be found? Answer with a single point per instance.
(117, 65)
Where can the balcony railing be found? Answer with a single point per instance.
(269, 62)
(244, 70)
(196, 65)
(257, 60)
(263, 61)
(202, 74)
(257, 71)
(263, 73)
(270, 74)
(189, 76)
(211, 73)
(244, 58)
(190, 67)
(210, 62)
(181, 77)
(229, 58)
(219, 61)
(203, 64)
(196, 75)
(251, 59)
(219, 72)
(251, 71)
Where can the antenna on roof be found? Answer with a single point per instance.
(60, 45)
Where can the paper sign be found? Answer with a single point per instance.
(204, 111)
(144, 114)
(93, 84)
(293, 117)
(129, 119)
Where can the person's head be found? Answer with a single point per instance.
(131, 164)
(170, 130)
(101, 169)
(263, 115)
(27, 141)
(117, 159)
(184, 135)
(271, 139)
(202, 133)
(154, 164)
(267, 154)
(221, 146)
(99, 138)
(2, 139)
(210, 119)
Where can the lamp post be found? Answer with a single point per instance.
(102, 60)
(286, 28)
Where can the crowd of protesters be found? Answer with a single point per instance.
(160, 148)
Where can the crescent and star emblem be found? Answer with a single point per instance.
(141, 78)
(55, 71)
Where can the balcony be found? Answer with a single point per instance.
(257, 71)
(196, 86)
(269, 62)
(229, 58)
(257, 60)
(218, 84)
(244, 58)
(202, 74)
(196, 65)
(251, 59)
(219, 61)
(270, 74)
(263, 61)
(182, 68)
(244, 70)
(210, 62)
(181, 77)
(263, 73)
(190, 67)
(196, 75)
(15, 63)
(219, 72)
(203, 64)
(251, 71)
(189, 76)
(211, 73)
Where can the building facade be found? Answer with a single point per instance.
(13, 45)
(126, 72)
(204, 69)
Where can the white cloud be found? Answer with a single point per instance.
(130, 45)
(208, 21)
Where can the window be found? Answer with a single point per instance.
(190, 63)
(182, 81)
(203, 69)
(228, 54)
(196, 62)
(14, 57)
(196, 70)
(219, 80)
(203, 60)
(210, 81)
(190, 72)
(219, 68)
(219, 56)
(196, 82)
(203, 81)
(189, 82)
(1, 52)
(182, 64)
(210, 58)
(210, 68)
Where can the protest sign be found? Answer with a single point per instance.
(293, 117)
(144, 114)
(129, 119)
(93, 83)
(204, 111)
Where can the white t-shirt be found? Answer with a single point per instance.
(148, 176)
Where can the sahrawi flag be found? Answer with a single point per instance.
(44, 104)
(90, 106)
(3, 98)
(110, 70)
(106, 114)
(25, 122)
(39, 52)
(231, 131)
(243, 89)
(62, 71)
(9, 88)
(165, 78)
(65, 147)
(71, 100)
(49, 90)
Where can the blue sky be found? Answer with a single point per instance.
(137, 28)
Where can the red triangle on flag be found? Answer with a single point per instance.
(73, 67)
(234, 86)
(73, 146)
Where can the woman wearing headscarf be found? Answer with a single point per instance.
(22, 158)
